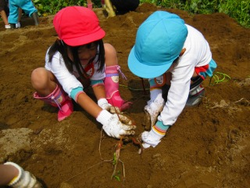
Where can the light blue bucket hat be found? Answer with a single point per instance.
(159, 41)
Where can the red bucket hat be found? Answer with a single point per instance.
(77, 25)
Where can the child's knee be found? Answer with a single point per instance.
(39, 77)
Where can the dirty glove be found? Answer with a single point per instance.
(115, 126)
(24, 178)
(153, 108)
(103, 103)
(154, 136)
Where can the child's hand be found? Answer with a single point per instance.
(150, 138)
(116, 125)
(153, 137)
(152, 110)
(103, 103)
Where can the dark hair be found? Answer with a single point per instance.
(62, 47)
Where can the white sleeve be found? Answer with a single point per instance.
(177, 95)
(57, 66)
(197, 48)
(197, 54)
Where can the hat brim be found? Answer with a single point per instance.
(145, 71)
(85, 39)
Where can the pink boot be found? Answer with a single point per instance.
(111, 84)
(58, 98)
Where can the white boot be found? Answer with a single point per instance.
(7, 26)
(18, 25)
(195, 96)
(24, 179)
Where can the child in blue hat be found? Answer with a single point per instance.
(175, 58)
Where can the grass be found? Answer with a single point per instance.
(237, 9)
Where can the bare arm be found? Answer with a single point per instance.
(89, 105)
(99, 91)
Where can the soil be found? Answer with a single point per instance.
(208, 146)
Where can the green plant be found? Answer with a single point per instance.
(51, 7)
(238, 10)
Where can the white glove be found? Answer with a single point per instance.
(103, 103)
(24, 178)
(150, 138)
(115, 126)
(153, 108)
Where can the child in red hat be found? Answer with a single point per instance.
(77, 59)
